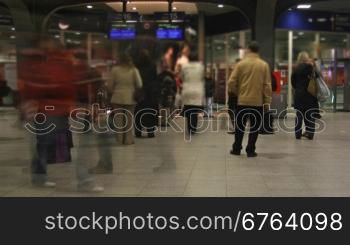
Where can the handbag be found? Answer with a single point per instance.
(323, 92)
(313, 86)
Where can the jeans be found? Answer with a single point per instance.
(39, 164)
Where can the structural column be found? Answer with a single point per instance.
(201, 37)
(264, 29)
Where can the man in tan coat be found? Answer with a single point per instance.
(251, 83)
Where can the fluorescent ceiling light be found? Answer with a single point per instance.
(90, 6)
(304, 6)
(220, 6)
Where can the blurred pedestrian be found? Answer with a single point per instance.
(193, 93)
(146, 112)
(125, 86)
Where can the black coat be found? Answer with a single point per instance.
(150, 86)
(301, 77)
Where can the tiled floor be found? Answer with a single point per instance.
(168, 166)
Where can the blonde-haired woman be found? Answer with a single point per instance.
(126, 80)
(306, 105)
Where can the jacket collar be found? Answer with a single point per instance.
(252, 55)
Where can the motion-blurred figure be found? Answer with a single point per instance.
(126, 82)
(232, 103)
(146, 112)
(193, 92)
(48, 96)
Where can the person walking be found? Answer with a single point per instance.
(251, 83)
(193, 92)
(306, 105)
(209, 94)
(146, 112)
(126, 81)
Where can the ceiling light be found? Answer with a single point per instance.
(77, 33)
(301, 33)
(323, 39)
(13, 37)
(63, 25)
(57, 36)
(174, 8)
(134, 8)
(321, 19)
(304, 6)
(220, 6)
(345, 40)
(13, 29)
(90, 6)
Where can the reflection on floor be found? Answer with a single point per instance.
(169, 166)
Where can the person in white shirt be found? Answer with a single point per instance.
(193, 92)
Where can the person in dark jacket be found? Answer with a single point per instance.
(306, 105)
(268, 125)
(209, 94)
(232, 103)
(145, 111)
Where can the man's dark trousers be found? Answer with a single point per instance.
(244, 113)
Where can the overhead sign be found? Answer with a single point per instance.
(129, 16)
(342, 23)
(6, 20)
(306, 20)
(314, 21)
(175, 16)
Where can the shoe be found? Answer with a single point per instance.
(231, 132)
(235, 153)
(298, 137)
(308, 136)
(151, 135)
(193, 132)
(252, 154)
(100, 170)
(47, 184)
